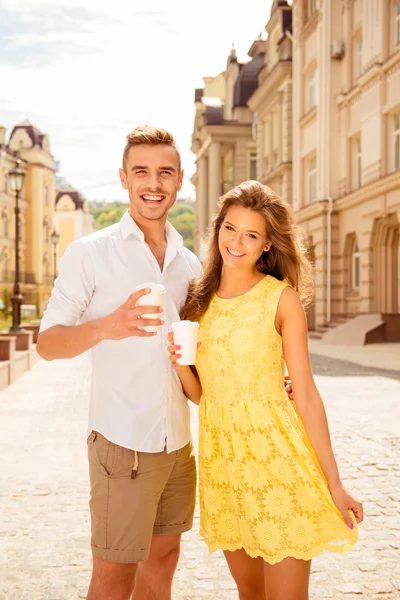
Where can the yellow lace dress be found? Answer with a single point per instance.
(260, 484)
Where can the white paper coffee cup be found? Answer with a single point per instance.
(185, 336)
(154, 298)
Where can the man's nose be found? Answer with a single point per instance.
(154, 180)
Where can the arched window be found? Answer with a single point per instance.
(5, 184)
(46, 195)
(355, 266)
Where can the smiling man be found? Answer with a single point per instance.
(141, 462)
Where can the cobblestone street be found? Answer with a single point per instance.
(44, 522)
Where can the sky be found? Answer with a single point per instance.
(86, 72)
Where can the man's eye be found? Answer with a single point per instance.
(166, 172)
(140, 171)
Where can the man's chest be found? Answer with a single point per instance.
(116, 280)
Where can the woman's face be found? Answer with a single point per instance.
(242, 237)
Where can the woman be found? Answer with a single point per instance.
(270, 492)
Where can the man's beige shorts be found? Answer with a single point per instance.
(135, 495)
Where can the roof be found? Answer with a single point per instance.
(214, 115)
(247, 82)
(34, 133)
(75, 197)
(277, 4)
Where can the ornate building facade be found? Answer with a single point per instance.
(327, 131)
(40, 215)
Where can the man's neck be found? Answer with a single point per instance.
(154, 231)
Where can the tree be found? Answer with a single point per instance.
(181, 216)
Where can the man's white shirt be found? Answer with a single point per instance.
(136, 397)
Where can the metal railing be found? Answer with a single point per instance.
(8, 277)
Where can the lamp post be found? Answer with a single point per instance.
(55, 238)
(16, 177)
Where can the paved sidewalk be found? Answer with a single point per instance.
(44, 518)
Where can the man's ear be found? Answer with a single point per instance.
(122, 176)
(180, 179)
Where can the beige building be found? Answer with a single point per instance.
(346, 151)
(271, 104)
(72, 216)
(41, 212)
(36, 216)
(335, 66)
(223, 139)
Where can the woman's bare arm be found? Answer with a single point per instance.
(291, 323)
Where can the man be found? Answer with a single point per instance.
(142, 468)
(141, 463)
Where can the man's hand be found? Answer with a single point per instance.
(288, 386)
(127, 319)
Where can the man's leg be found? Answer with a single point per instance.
(123, 511)
(174, 516)
(111, 581)
(154, 576)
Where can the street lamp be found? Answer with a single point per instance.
(16, 177)
(55, 238)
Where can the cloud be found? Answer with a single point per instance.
(86, 72)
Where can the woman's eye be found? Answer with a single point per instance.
(252, 236)
(229, 227)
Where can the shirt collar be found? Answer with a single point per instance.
(129, 227)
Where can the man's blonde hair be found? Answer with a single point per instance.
(152, 136)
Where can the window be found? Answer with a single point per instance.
(311, 7)
(358, 58)
(312, 179)
(46, 195)
(396, 141)
(275, 138)
(253, 165)
(355, 267)
(312, 89)
(397, 22)
(5, 184)
(357, 163)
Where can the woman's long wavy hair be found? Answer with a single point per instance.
(286, 259)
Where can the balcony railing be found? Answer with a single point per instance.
(29, 278)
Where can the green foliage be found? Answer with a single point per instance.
(108, 214)
(181, 216)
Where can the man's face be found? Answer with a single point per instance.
(152, 177)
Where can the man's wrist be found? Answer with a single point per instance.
(96, 331)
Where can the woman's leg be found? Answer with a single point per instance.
(287, 580)
(248, 574)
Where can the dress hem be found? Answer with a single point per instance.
(279, 558)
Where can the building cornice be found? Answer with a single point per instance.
(310, 211)
(375, 72)
(306, 119)
(309, 27)
(383, 185)
(282, 169)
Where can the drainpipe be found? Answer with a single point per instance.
(329, 259)
(328, 164)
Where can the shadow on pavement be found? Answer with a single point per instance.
(334, 367)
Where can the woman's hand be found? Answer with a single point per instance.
(173, 351)
(345, 502)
